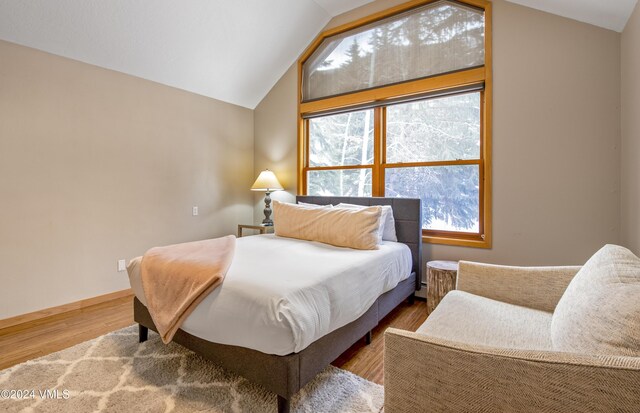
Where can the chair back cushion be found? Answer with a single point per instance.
(599, 312)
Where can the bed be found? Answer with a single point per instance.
(285, 361)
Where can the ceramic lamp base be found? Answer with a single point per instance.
(267, 221)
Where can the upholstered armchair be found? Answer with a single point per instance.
(514, 339)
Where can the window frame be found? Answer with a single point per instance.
(380, 97)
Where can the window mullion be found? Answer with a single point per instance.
(306, 155)
(434, 163)
(383, 149)
(375, 173)
(339, 167)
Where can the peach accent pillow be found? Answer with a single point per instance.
(356, 229)
(387, 231)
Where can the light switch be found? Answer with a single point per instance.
(195, 211)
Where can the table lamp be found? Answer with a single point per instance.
(268, 182)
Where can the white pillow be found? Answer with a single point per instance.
(387, 230)
(389, 225)
(304, 204)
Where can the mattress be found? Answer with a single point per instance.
(282, 294)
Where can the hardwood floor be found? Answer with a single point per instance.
(367, 360)
(48, 335)
(38, 338)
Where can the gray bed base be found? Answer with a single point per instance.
(286, 375)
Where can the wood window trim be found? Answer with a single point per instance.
(407, 89)
(378, 95)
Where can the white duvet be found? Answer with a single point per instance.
(282, 294)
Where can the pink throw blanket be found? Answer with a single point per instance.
(176, 278)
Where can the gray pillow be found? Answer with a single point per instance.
(599, 312)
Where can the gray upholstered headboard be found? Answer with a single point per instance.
(407, 213)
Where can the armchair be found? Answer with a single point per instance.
(488, 347)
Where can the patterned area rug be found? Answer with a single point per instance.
(114, 373)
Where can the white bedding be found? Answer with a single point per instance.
(282, 294)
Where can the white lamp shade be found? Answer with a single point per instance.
(267, 181)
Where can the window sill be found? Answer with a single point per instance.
(460, 242)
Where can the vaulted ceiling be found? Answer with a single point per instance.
(229, 50)
(610, 14)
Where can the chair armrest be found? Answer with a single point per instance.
(423, 373)
(539, 288)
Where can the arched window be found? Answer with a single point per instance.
(399, 104)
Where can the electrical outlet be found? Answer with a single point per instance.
(122, 265)
(195, 211)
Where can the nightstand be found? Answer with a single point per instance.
(263, 229)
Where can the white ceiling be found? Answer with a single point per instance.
(610, 14)
(231, 50)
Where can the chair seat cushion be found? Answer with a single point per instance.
(599, 312)
(473, 319)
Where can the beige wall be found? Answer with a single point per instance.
(275, 139)
(96, 165)
(556, 140)
(556, 137)
(630, 204)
